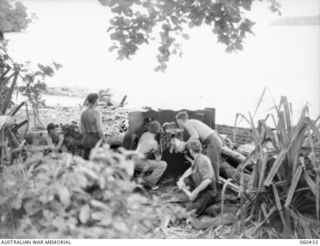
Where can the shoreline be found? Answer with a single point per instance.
(62, 95)
(78, 92)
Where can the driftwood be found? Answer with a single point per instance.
(123, 101)
(234, 158)
(228, 171)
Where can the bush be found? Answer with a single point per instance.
(64, 196)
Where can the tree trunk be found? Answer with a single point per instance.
(36, 118)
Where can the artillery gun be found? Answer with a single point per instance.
(138, 124)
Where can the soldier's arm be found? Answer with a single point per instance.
(61, 138)
(157, 151)
(207, 176)
(81, 127)
(204, 184)
(99, 125)
(49, 141)
(186, 174)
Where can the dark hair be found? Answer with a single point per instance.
(154, 127)
(51, 126)
(92, 98)
(183, 115)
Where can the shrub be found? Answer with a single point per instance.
(64, 196)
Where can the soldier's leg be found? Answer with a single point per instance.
(157, 168)
(214, 148)
(205, 199)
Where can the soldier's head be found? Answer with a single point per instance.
(154, 127)
(194, 146)
(182, 117)
(92, 99)
(52, 129)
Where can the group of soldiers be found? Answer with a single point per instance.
(199, 182)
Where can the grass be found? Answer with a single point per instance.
(284, 188)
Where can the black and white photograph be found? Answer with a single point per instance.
(159, 119)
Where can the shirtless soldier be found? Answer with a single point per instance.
(90, 125)
(207, 136)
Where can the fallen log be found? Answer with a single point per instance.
(228, 171)
(246, 149)
(233, 157)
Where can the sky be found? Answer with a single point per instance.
(284, 59)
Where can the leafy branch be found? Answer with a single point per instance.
(137, 22)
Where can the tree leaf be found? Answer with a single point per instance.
(97, 215)
(84, 214)
(246, 4)
(64, 195)
(82, 180)
(113, 47)
(106, 221)
(185, 36)
(174, 20)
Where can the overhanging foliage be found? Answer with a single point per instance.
(138, 22)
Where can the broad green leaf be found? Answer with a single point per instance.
(84, 214)
(97, 215)
(106, 221)
(64, 195)
(82, 180)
